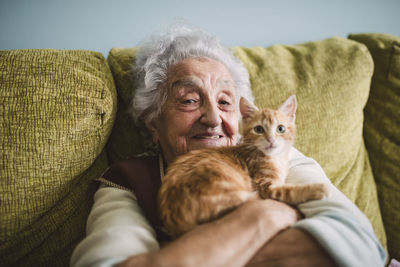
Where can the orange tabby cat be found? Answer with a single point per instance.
(205, 184)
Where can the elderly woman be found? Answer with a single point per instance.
(188, 87)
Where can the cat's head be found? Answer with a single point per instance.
(272, 131)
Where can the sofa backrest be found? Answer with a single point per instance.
(331, 79)
(382, 129)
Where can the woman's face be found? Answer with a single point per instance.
(200, 110)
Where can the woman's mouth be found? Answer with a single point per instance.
(209, 135)
(204, 140)
(212, 137)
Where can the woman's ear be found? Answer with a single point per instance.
(151, 126)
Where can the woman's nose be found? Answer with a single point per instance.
(211, 115)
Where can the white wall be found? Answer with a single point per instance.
(100, 24)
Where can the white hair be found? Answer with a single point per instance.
(156, 56)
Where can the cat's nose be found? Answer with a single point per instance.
(271, 140)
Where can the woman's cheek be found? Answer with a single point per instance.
(231, 125)
(181, 144)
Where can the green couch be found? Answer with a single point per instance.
(63, 120)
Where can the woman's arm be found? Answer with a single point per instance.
(116, 229)
(292, 247)
(334, 231)
(229, 241)
(118, 232)
(336, 225)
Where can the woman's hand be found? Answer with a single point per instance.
(229, 241)
(292, 247)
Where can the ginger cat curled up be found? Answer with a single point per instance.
(205, 184)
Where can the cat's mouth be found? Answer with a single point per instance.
(270, 146)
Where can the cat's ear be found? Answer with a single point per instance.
(289, 107)
(247, 108)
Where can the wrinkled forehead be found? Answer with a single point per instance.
(198, 71)
(188, 84)
(197, 65)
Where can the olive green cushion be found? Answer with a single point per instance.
(382, 129)
(125, 139)
(331, 79)
(56, 112)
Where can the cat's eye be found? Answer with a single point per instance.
(281, 128)
(259, 129)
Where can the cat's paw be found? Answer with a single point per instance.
(262, 186)
(263, 193)
(321, 191)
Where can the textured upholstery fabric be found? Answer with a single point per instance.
(382, 129)
(125, 139)
(56, 112)
(331, 79)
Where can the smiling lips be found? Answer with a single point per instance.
(213, 136)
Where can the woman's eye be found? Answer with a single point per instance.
(189, 101)
(281, 128)
(223, 102)
(259, 129)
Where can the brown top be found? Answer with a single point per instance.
(142, 176)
